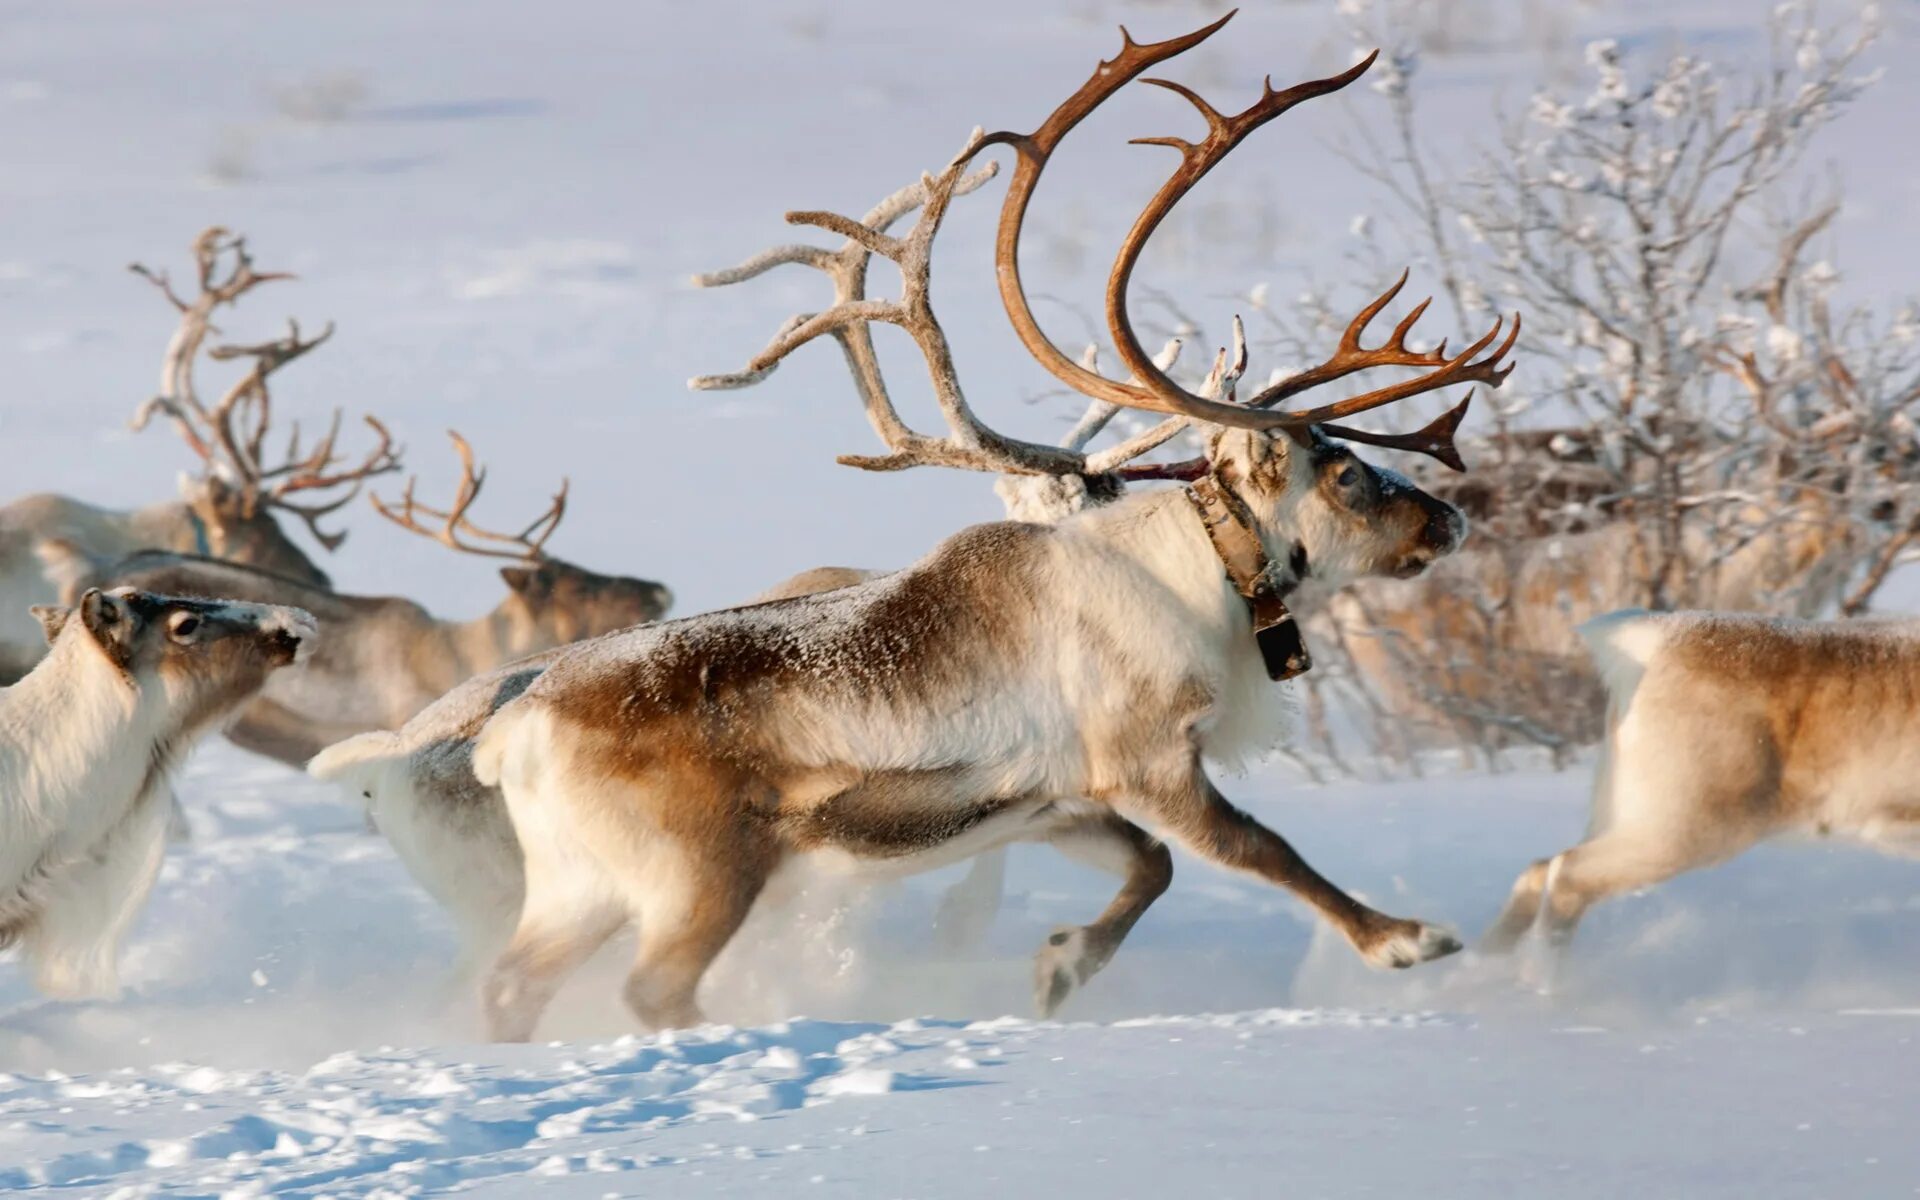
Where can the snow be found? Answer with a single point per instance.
(289, 1027)
(501, 206)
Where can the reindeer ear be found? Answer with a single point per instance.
(525, 581)
(52, 618)
(111, 622)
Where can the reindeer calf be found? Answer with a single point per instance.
(1724, 731)
(87, 741)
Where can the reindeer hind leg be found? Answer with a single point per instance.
(1073, 955)
(689, 904)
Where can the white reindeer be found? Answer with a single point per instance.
(225, 512)
(1023, 682)
(1724, 731)
(385, 657)
(87, 742)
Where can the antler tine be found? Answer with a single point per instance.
(1462, 368)
(1434, 439)
(530, 542)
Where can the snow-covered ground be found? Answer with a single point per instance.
(502, 228)
(290, 1027)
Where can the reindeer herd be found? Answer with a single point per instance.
(571, 764)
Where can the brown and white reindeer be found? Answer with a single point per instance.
(453, 833)
(1057, 683)
(229, 510)
(386, 658)
(87, 742)
(1725, 730)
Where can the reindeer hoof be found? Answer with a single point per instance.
(1066, 962)
(1405, 943)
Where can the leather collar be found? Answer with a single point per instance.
(1230, 529)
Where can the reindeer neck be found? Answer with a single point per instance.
(173, 525)
(97, 712)
(487, 642)
(1160, 531)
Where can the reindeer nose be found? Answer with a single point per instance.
(1446, 528)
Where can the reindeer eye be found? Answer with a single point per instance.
(185, 624)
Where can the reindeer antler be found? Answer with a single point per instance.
(1157, 392)
(973, 445)
(229, 435)
(530, 542)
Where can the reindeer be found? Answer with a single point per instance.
(386, 658)
(1724, 731)
(227, 512)
(1054, 683)
(453, 833)
(88, 740)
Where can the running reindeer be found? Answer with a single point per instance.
(226, 512)
(453, 833)
(386, 658)
(87, 742)
(1725, 730)
(1049, 683)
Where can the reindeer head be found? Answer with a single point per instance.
(204, 656)
(1332, 513)
(550, 601)
(1304, 493)
(560, 603)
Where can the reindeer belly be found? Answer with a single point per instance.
(897, 823)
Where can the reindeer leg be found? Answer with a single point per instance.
(1521, 911)
(688, 914)
(968, 907)
(570, 910)
(1074, 954)
(1194, 813)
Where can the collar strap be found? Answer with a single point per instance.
(1229, 526)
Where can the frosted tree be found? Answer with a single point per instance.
(1694, 423)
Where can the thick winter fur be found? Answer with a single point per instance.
(86, 743)
(1023, 682)
(41, 536)
(386, 658)
(1727, 730)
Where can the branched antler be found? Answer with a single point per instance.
(529, 545)
(229, 435)
(971, 444)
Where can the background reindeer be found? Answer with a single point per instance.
(225, 512)
(1024, 682)
(386, 658)
(1724, 731)
(87, 742)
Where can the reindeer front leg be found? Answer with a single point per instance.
(1190, 810)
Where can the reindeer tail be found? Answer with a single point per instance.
(363, 762)
(1623, 644)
